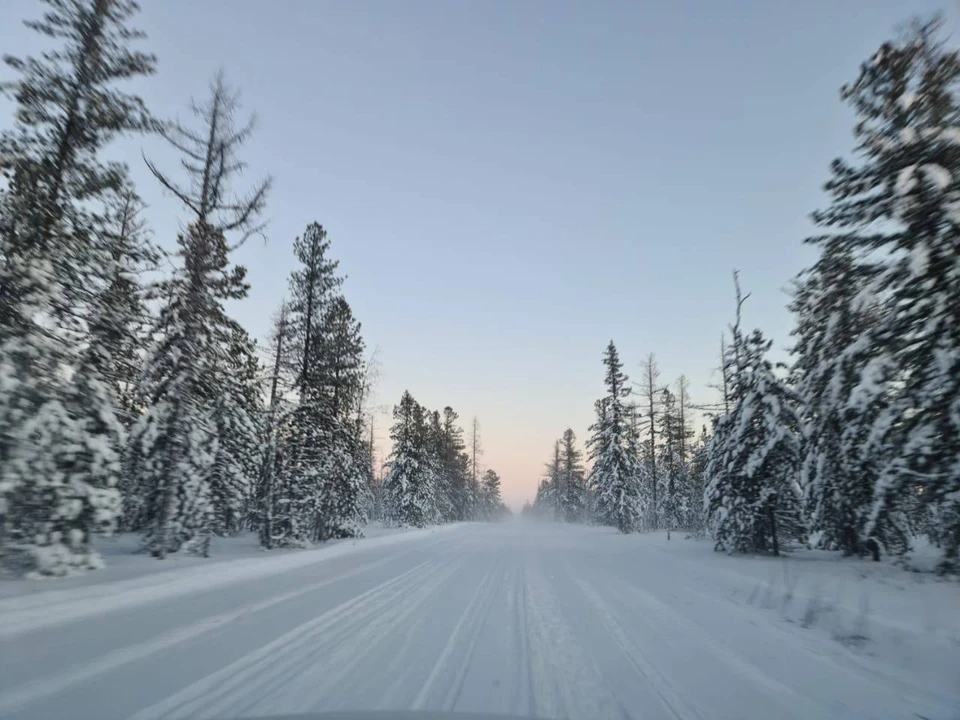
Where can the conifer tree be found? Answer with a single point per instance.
(753, 499)
(571, 501)
(409, 485)
(280, 382)
(119, 327)
(839, 454)
(492, 504)
(189, 446)
(174, 443)
(547, 501)
(615, 472)
(58, 436)
(455, 464)
(896, 203)
(649, 413)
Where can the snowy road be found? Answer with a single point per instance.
(534, 620)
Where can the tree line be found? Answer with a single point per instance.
(129, 397)
(432, 476)
(854, 445)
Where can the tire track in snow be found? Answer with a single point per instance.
(118, 658)
(672, 701)
(337, 658)
(472, 649)
(243, 683)
(564, 679)
(477, 612)
(523, 630)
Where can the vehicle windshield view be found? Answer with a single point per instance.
(463, 360)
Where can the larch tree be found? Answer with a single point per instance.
(649, 413)
(476, 452)
(178, 444)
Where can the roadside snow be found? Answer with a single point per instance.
(131, 579)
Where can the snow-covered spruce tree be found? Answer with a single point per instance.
(409, 485)
(238, 416)
(839, 453)
(753, 499)
(67, 110)
(339, 378)
(57, 435)
(339, 369)
(572, 501)
(615, 472)
(491, 502)
(121, 325)
(898, 203)
(174, 444)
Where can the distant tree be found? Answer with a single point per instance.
(650, 392)
(409, 485)
(571, 500)
(548, 500)
(456, 465)
(492, 507)
(476, 452)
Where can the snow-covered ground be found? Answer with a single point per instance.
(524, 619)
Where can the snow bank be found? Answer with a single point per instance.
(35, 610)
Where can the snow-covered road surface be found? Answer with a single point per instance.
(520, 619)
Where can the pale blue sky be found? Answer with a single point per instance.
(509, 185)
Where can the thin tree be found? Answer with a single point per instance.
(476, 452)
(210, 160)
(649, 392)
